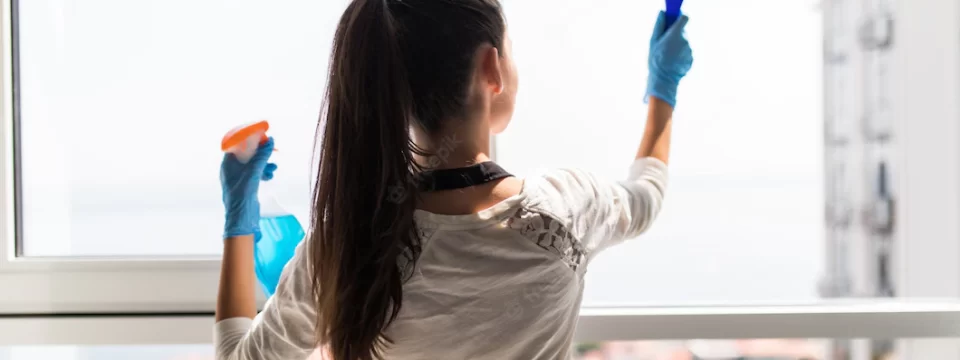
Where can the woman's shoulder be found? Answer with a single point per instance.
(563, 193)
(566, 184)
(577, 185)
(594, 206)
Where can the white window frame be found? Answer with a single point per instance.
(845, 320)
(43, 298)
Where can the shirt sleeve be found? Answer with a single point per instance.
(603, 212)
(285, 329)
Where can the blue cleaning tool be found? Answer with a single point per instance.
(673, 11)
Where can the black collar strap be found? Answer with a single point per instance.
(459, 178)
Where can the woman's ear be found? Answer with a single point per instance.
(492, 69)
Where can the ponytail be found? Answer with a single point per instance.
(363, 199)
(396, 64)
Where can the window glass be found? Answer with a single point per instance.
(743, 216)
(122, 105)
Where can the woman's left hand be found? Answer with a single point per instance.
(240, 183)
(669, 60)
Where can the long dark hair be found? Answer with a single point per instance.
(395, 64)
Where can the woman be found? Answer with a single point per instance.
(419, 246)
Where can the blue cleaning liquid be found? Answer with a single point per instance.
(279, 240)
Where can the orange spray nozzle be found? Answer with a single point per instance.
(243, 140)
(240, 135)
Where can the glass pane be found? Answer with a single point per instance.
(119, 129)
(122, 113)
(743, 216)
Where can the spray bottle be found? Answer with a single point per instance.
(280, 230)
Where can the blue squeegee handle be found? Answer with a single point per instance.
(673, 11)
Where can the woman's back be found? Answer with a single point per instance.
(506, 283)
(503, 283)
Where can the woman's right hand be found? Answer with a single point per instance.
(669, 60)
(240, 183)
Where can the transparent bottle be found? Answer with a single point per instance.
(281, 231)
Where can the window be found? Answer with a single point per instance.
(119, 130)
(747, 158)
(111, 111)
(80, 79)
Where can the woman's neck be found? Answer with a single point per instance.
(462, 145)
(457, 147)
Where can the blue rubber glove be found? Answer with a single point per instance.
(240, 183)
(669, 60)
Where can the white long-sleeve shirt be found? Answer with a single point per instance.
(504, 283)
